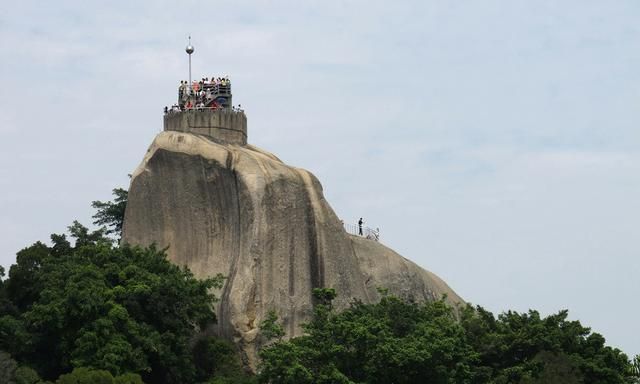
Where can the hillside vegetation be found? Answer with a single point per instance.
(83, 309)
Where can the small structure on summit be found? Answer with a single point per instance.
(205, 108)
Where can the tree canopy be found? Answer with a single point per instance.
(96, 305)
(111, 213)
(86, 310)
(396, 341)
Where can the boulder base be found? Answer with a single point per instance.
(240, 211)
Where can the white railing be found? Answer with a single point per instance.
(195, 108)
(212, 89)
(366, 232)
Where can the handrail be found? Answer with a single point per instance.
(201, 95)
(234, 109)
(213, 94)
(366, 232)
(226, 89)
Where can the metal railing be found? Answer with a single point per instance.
(366, 232)
(196, 108)
(217, 89)
(214, 90)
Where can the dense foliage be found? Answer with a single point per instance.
(95, 305)
(111, 213)
(93, 312)
(97, 376)
(396, 341)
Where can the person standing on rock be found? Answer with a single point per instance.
(360, 222)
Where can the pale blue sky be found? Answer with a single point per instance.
(495, 143)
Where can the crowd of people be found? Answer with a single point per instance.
(208, 93)
(214, 85)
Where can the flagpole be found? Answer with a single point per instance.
(189, 51)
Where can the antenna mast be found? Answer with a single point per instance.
(189, 51)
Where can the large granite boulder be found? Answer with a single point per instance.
(266, 226)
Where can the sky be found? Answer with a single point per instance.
(493, 142)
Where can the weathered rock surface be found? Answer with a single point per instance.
(240, 211)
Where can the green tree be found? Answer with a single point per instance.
(396, 341)
(26, 375)
(24, 285)
(217, 361)
(119, 309)
(634, 370)
(11, 373)
(8, 367)
(128, 378)
(555, 368)
(270, 328)
(390, 342)
(111, 213)
(97, 376)
(521, 347)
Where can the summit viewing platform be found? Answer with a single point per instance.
(205, 108)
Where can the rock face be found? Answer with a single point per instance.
(240, 211)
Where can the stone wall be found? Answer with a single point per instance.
(223, 126)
